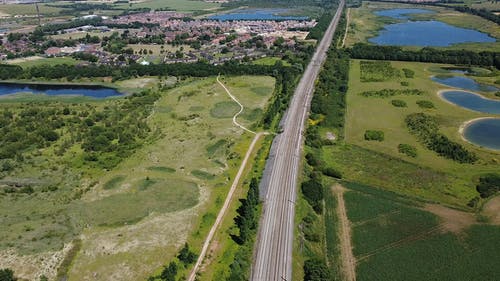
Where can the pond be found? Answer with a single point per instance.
(472, 101)
(464, 83)
(437, 33)
(483, 132)
(256, 14)
(58, 90)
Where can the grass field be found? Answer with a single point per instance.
(177, 5)
(394, 240)
(28, 9)
(270, 61)
(427, 175)
(37, 61)
(149, 203)
(364, 24)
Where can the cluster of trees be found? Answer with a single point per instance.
(284, 88)
(31, 127)
(464, 57)
(426, 128)
(106, 136)
(54, 27)
(169, 272)
(199, 69)
(319, 29)
(374, 135)
(488, 185)
(329, 95)
(246, 221)
(6, 274)
(84, 56)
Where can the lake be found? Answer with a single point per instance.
(424, 33)
(402, 13)
(58, 90)
(464, 83)
(472, 101)
(484, 132)
(256, 14)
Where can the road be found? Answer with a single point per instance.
(273, 252)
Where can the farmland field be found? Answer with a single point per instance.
(147, 205)
(395, 239)
(177, 5)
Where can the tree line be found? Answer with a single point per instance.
(427, 54)
(247, 222)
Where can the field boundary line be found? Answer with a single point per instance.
(235, 122)
(348, 260)
(222, 212)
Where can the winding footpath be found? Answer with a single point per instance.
(235, 122)
(229, 197)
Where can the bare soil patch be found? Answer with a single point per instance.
(492, 210)
(452, 220)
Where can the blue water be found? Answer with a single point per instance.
(401, 13)
(258, 14)
(484, 132)
(464, 83)
(428, 33)
(472, 101)
(58, 90)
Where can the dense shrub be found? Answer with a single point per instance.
(408, 73)
(374, 135)
(384, 93)
(398, 103)
(6, 274)
(332, 172)
(316, 270)
(377, 71)
(407, 149)
(488, 185)
(425, 104)
(313, 192)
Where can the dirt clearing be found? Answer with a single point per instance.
(452, 220)
(492, 210)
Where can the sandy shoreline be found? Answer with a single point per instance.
(467, 123)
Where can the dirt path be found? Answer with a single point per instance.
(346, 26)
(235, 122)
(222, 212)
(348, 261)
(492, 210)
